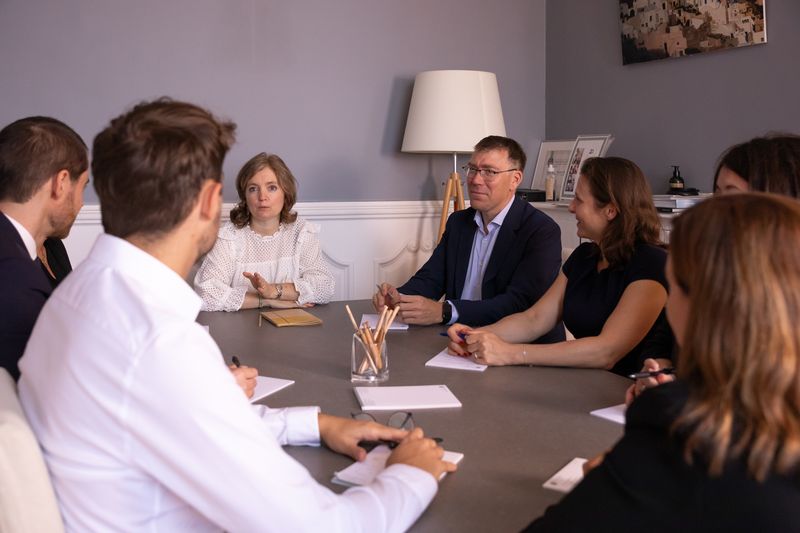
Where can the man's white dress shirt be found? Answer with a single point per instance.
(144, 428)
(25, 235)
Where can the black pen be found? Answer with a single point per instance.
(392, 444)
(462, 335)
(652, 373)
(236, 361)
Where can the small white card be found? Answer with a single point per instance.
(566, 478)
(365, 472)
(615, 413)
(266, 386)
(396, 325)
(445, 360)
(406, 398)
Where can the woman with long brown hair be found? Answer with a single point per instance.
(609, 293)
(718, 449)
(766, 164)
(265, 256)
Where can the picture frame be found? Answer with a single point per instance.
(560, 152)
(586, 146)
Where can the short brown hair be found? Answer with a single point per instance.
(32, 150)
(768, 164)
(240, 215)
(621, 183)
(149, 165)
(740, 355)
(496, 142)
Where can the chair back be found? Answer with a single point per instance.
(27, 500)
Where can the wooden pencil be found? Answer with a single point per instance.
(352, 320)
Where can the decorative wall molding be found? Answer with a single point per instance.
(353, 235)
(366, 243)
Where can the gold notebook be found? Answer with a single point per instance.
(291, 317)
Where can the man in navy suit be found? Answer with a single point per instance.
(43, 172)
(496, 258)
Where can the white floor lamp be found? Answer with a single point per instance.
(450, 111)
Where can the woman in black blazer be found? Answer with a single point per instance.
(719, 449)
(55, 261)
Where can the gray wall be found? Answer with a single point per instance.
(325, 84)
(682, 111)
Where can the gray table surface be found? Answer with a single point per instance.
(517, 427)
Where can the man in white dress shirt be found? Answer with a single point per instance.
(141, 424)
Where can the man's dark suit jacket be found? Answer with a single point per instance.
(525, 261)
(24, 288)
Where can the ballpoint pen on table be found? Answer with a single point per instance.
(652, 373)
(369, 444)
(463, 336)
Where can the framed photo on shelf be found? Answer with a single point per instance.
(586, 146)
(559, 151)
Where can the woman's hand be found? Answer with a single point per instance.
(489, 349)
(285, 304)
(259, 284)
(593, 463)
(457, 333)
(643, 384)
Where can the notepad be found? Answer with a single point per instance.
(291, 317)
(615, 413)
(445, 360)
(408, 397)
(266, 386)
(365, 472)
(396, 325)
(566, 478)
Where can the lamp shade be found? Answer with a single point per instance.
(451, 110)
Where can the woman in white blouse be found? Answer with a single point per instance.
(265, 256)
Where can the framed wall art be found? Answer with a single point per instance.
(657, 30)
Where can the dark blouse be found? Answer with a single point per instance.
(644, 484)
(58, 260)
(592, 296)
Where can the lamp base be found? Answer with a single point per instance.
(452, 191)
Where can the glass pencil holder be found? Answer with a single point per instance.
(369, 361)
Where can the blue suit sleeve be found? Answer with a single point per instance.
(430, 280)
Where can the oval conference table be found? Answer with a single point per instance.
(516, 428)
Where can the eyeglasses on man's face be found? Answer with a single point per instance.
(486, 173)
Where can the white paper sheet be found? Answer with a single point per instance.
(365, 472)
(445, 360)
(615, 413)
(266, 386)
(396, 325)
(566, 478)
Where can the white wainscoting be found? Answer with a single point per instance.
(365, 242)
(569, 229)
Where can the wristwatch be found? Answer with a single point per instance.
(447, 312)
(279, 290)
